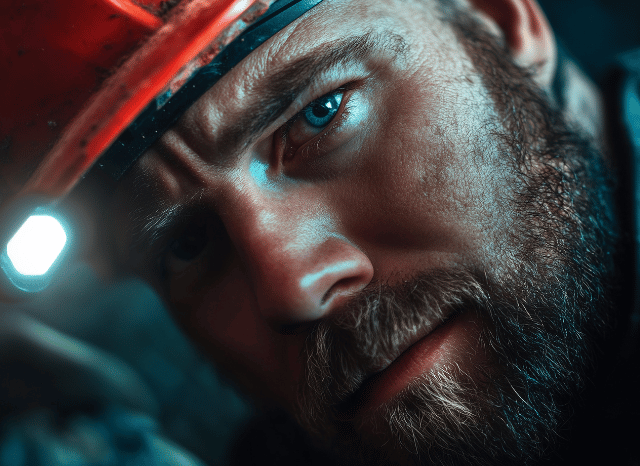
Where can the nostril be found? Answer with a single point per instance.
(350, 285)
(296, 286)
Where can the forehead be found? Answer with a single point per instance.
(325, 25)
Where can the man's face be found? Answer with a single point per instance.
(355, 224)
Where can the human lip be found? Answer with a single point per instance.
(411, 340)
(419, 355)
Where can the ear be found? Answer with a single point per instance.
(526, 31)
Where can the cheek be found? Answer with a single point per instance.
(429, 183)
(413, 180)
(222, 318)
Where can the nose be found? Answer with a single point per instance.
(300, 269)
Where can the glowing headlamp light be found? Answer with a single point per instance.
(31, 256)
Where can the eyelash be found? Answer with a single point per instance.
(281, 136)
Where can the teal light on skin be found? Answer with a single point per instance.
(258, 171)
(309, 280)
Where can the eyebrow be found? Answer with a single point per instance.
(152, 217)
(277, 91)
(281, 87)
(148, 231)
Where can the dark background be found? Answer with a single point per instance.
(594, 31)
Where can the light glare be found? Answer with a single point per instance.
(36, 245)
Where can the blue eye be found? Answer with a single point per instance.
(321, 111)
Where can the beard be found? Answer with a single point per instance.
(542, 321)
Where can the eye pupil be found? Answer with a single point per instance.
(190, 244)
(321, 111)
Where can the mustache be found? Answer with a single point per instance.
(344, 350)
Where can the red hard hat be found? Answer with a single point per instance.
(61, 109)
(84, 80)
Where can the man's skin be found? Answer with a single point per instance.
(256, 227)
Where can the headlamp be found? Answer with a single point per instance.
(36, 250)
(36, 245)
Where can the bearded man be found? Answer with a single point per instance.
(392, 222)
(397, 222)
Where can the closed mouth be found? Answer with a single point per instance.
(360, 399)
